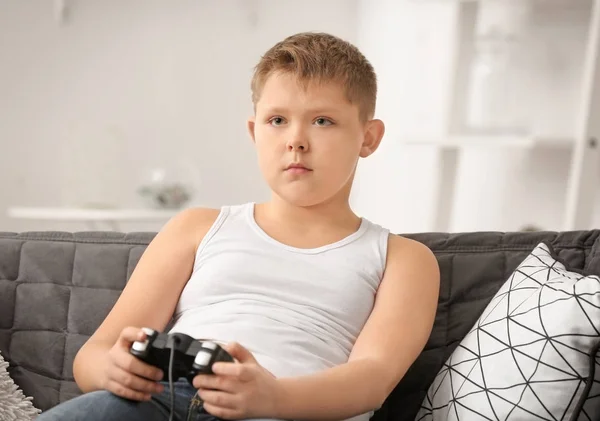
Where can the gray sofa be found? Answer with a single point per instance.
(56, 287)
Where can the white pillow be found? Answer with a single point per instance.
(531, 353)
(591, 407)
(14, 405)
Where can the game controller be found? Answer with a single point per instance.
(190, 356)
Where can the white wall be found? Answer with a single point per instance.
(394, 185)
(88, 108)
(497, 189)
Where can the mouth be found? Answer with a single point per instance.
(297, 169)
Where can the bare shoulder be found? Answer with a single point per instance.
(405, 254)
(192, 223)
(198, 214)
(411, 279)
(195, 218)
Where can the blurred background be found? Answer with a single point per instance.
(115, 114)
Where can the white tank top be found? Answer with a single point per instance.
(297, 310)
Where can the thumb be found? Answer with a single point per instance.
(129, 335)
(239, 353)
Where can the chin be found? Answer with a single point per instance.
(302, 198)
(303, 202)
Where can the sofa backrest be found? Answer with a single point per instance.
(56, 288)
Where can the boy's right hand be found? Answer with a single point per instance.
(127, 376)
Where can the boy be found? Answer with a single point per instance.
(323, 311)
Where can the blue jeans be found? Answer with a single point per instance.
(104, 406)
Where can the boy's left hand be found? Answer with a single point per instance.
(239, 390)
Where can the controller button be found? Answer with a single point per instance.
(148, 331)
(202, 358)
(209, 345)
(140, 346)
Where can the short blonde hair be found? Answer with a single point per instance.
(320, 57)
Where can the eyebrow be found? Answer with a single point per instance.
(319, 110)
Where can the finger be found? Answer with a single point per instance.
(239, 353)
(208, 381)
(227, 369)
(218, 399)
(241, 372)
(123, 391)
(133, 382)
(222, 413)
(131, 364)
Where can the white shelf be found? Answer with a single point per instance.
(94, 219)
(84, 215)
(491, 141)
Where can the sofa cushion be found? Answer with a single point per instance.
(530, 354)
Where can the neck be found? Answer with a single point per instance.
(336, 211)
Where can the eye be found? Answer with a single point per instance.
(322, 121)
(276, 121)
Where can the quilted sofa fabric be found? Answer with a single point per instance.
(56, 288)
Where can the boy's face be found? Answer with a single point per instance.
(315, 128)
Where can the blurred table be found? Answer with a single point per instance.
(95, 219)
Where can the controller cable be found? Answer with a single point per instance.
(171, 382)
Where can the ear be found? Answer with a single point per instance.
(374, 130)
(250, 126)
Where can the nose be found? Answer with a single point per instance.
(297, 142)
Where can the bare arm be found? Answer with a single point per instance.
(151, 294)
(392, 338)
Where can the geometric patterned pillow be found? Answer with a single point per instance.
(591, 407)
(531, 355)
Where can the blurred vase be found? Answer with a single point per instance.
(163, 190)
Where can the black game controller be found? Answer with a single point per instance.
(190, 356)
